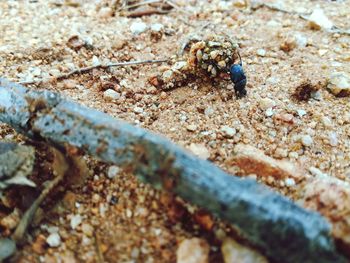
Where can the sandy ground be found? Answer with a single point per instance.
(124, 220)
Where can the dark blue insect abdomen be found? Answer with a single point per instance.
(239, 79)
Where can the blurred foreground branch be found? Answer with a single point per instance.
(281, 229)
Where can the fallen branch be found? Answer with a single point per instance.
(276, 7)
(147, 2)
(281, 229)
(98, 66)
(305, 16)
(146, 12)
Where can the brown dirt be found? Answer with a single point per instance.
(130, 221)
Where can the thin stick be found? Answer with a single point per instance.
(140, 4)
(175, 6)
(146, 12)
(276, 8)
(304, 16)
(98, 66)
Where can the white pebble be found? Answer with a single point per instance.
(301, 113)
(333, 140)
(52, 229)
(183, 117)
(301, 40)
(228, 131)
(179, 65)
(306, 140)
(157, 27)
(75, 221)
(339, 84)
(269, 112)
(200, 150)
(326, 122)
(138, 28)
(289, 182)
(293, 155)
(208, 111)
(138, 110)
(261, 52)
(266, 103)
(95, 61)
(36, 71)
(320, 20)
(191, 127)
(111, 95)
(113, 171)
(53, 240)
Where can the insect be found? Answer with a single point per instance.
(238, 78)
(207, 56)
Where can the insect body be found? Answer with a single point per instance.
(238, 78)
(208, 57)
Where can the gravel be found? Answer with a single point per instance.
(53, 240)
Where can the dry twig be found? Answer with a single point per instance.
(98, 66)
(304, 16)
(147, 2)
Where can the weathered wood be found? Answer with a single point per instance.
(281, 229)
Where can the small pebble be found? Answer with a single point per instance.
(138, 110)
(36, 71)
(326, 122)
(339, 84)
(75, 221)
(301, 40)
(289, 182)
(193, 250)
(208, 111)
(163, 95)
(269, 112)
(261, 52)
(111, 95)
(200, 150)
(227, 131)
(113, 171)
(266, 103)
(321, 52)
(301, 113)
(53, 240)
(191, 127)
(318, 20)
(333, 139)
(306, 140)
(105, 12)
(87, 229)
(95, 61)
(138, 28)
(234, 252)
(293, 155)
(157, 27)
